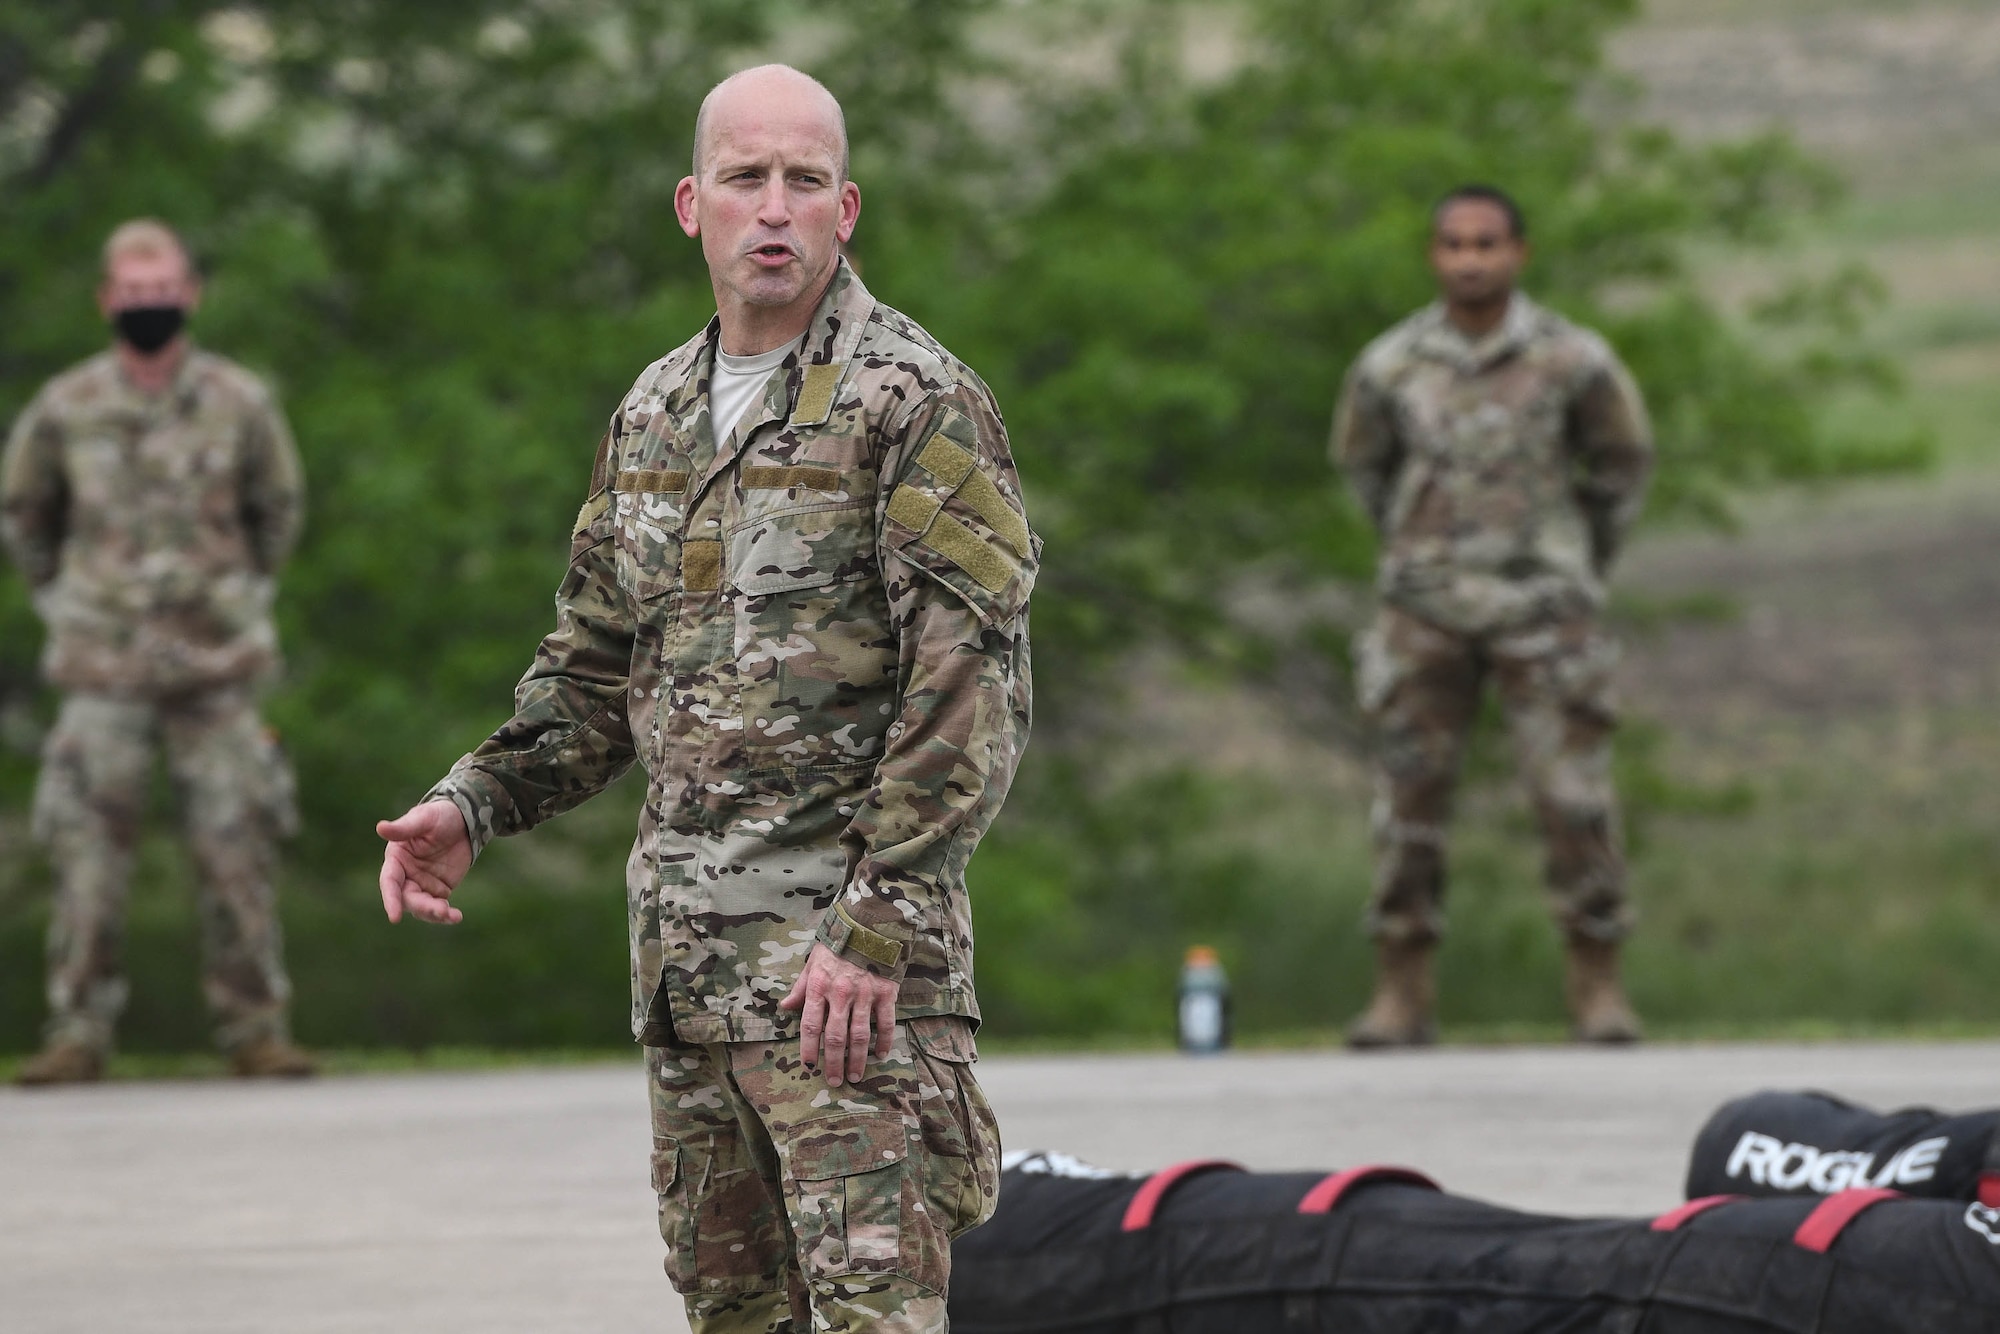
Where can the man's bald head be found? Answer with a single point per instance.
(769, 90)
(770, 201)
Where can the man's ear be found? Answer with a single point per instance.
(850, 211)
(684, 206)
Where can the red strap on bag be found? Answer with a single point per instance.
(1824, 1224)
(1139, 1213)
(1989, 1189)
(1671, 1220)
(1323, 1197)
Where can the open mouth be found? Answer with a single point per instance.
(773, 253)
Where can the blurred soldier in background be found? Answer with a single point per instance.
(797, 595)
(150, 495)
(1502, 453)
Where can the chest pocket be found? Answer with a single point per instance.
(807, 547)
(106, 460)
(648, 513)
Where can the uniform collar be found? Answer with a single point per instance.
(802, 391)
(805, 394)
(181, 392)
(1440, 338)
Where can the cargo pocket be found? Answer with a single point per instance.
(676, 1217)
(961, 1136)
(849, 1178)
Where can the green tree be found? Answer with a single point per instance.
(1167, 325)
(1171, 320)
(445, 232)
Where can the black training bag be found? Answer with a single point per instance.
(1205, 1249)
(1815, 1144)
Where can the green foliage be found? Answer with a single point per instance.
(1168, 328)
(445, 232)
(448, 237)
(1170, 325)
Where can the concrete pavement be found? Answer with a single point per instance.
(517, 1200)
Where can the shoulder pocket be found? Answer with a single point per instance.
(593, 524)
(645, 511)
(950, 518)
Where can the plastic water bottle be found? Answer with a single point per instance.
(1204, 996)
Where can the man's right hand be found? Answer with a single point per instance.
(428, 854)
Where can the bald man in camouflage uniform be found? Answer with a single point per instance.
(150, 496)
(807, 621)
(1502, 453)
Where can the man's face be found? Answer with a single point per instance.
(769, 206)
(1474, 253)
(145, 279)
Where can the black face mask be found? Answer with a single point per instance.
(149, 328)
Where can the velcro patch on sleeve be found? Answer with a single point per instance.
(946, 460)
(593, 509)
(815, 402)
(670, 481)
(869, 944)
(701, 566)
(983, 498)
(958, 544)
(913, 509)
(802, 476)
(600, 467)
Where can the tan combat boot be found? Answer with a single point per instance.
(1403, 1012)
(1598, 1009)
(272, 1058)
(62, 1063)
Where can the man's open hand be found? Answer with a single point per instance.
(837, 1001)
(428, 854)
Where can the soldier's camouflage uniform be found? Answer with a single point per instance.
(150, 528)
(1501, 475)
(813, 636)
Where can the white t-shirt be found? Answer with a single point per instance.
(738, 385)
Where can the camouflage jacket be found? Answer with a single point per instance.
(151, 526)
(813, 636)
(1501, 474)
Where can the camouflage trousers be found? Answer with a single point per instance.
(1420, 686)
(235, 800)
(788, 1206)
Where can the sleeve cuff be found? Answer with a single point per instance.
(879, 954)
(477, 802)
